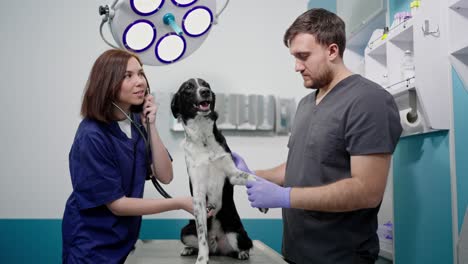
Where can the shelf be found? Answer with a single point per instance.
(460, 64)
(456, 4)
(459, 42)
(458, 22)
(377, 48)
(401, 87)
(403, 32)
(461, 52)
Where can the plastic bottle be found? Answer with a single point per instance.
(407, 65)
(385, 232)
(385, 33)
(406, 16)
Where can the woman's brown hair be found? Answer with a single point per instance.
(104, 83)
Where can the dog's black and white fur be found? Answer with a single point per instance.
(212, 175)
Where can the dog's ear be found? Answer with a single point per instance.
(175, 105)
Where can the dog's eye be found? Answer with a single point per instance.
(190, 85)
(203, 83)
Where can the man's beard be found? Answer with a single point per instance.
(323, 80)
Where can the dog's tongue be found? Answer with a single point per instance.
(204, 106)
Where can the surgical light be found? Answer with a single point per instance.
(161, 32)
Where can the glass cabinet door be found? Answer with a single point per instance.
(357, 13)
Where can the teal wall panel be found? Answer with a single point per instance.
(422, 199)
(40, 240)
(460, 103)
(326, 4)
(31, 241)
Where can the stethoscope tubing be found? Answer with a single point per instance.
(149, 149)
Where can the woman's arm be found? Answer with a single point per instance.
(161, 160)
(126, 206)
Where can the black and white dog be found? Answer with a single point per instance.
(212, 175)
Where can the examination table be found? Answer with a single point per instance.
(168, 251)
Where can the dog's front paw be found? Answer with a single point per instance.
(263, 210)
(202, 260)
(251, 177)
(189, 251)
(212, 245)
(243, 255)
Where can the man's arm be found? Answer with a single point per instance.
(364, 189)
(275, 174)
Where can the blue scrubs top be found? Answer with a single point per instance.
(105, 165)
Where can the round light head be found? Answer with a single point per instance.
(138, 26)
(197, 21)
(145, 7)
(183, 3)
(170, 48)
(139, 35)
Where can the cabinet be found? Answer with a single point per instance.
(383, 64)
(361, 18)
(421, 164)
(421, 36)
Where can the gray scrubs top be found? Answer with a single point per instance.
(357, 117)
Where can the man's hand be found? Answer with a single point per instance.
(240, 163)
(265, 194)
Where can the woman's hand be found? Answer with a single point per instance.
(187, 205)
(149, 109)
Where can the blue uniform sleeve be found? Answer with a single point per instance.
(95, 174)
(373, 124)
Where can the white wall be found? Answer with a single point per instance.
(47, 51)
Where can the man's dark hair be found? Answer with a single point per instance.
(325, 26)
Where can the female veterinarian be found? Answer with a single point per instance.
(108, 164)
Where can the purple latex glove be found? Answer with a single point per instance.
(265, 194)
(240, 163)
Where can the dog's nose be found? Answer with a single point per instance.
(205, 92)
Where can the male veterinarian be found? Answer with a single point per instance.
(340, 148)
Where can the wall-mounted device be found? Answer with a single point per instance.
(247, 112)
(226, 107)
(265, 112)
(412, 115)
(285, 110)
(250, 112)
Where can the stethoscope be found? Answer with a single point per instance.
(148, 148)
